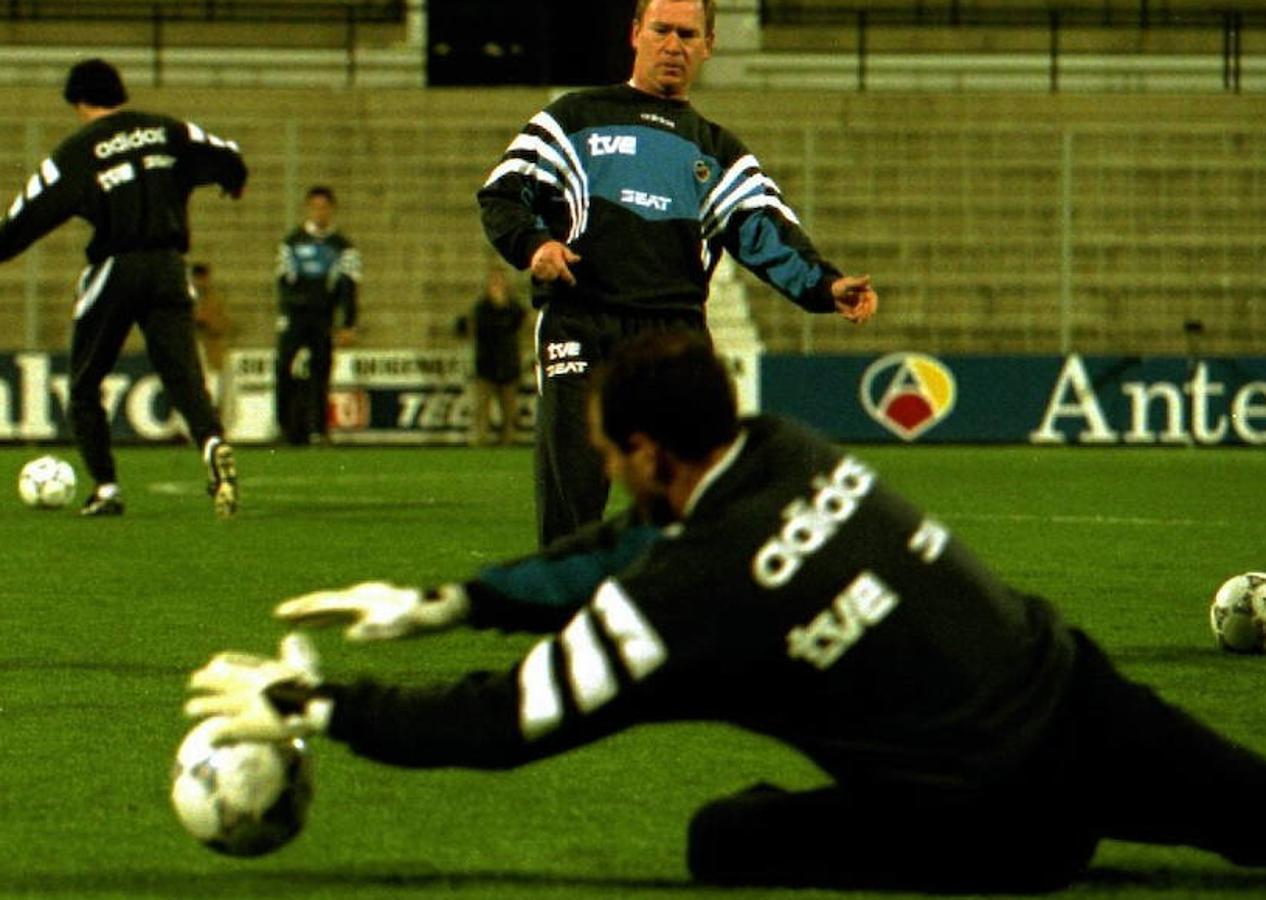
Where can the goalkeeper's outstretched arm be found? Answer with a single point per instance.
(534, 594)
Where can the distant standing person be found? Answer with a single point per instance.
(498, 320)
(129, 174)
(211, 318)
(318, 283)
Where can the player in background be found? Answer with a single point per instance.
(494, 324)
(620, 201)
(129, 174)
(973, 741)
(318, 285)
(213, 326)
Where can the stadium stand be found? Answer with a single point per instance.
(991, 221)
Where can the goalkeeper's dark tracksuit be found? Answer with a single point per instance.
(648, 193)
(129, 175)
(972, 740)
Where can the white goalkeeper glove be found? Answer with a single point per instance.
(379, 611)
(256, 698)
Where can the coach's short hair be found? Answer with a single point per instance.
(670, 386)
(709, 13)
(96, 83)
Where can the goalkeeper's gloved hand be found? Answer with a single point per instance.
(379, 611)
(256, 698)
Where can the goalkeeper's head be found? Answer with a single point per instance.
(661, 411)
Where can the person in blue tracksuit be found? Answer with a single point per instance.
(620, 200)
(318, 285)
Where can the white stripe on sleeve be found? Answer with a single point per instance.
(641, 648)
(540, 703)
(589, 672)
(590, 669)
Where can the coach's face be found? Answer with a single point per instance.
(670, 43)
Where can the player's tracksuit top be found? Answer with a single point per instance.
(798, 598)
(129, 174)
(647, 192)
(318, 273)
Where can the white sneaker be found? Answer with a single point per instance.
(223, 484)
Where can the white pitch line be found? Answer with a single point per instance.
(1141, 521)
(185, 488)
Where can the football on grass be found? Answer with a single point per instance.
(46, 483)
(1238, 613)
(242, 799)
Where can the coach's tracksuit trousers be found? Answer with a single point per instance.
(572, 340)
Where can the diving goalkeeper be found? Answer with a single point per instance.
(788, 591)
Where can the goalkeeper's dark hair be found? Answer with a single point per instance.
(670, 386)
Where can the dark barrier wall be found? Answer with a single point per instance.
(423, 397)
(549, 42)
(376, 397)
(1099, 400)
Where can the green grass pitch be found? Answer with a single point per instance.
(102, 620)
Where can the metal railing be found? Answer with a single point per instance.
(245, 11)
(169, 37)
(1055, 21)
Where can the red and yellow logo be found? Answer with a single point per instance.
(908, 393)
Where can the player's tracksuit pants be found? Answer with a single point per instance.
(149, 289)
(571, 340)
(1118, 762)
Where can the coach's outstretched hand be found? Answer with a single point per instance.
(855, 299)
(379, 611)
(255, 698)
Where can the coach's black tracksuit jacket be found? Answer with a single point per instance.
(648, 192)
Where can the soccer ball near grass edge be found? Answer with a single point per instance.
(1238, 613)
(241, 799)
(46, 483)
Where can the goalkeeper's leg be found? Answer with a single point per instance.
(903, 839)
(1152, 772)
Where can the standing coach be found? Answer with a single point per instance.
(620, 201)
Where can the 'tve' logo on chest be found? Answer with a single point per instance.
(607, 144)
